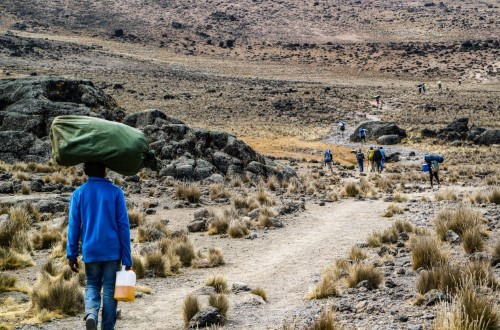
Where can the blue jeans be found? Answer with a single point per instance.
(101, 274)
(360, 165)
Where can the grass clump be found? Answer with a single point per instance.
(10, 259)
(218, 282)
(266, 217)
(237, 229)
(445, 278)
(326, 321)
(58, 294)
(400, 198)
(494, 195)
(156, 262)
(357, 254)
(327, 287)
(188, 191)
(351, 189)
(426, 253)
(262, 196)
(469, 311)
(446, 195)
(135, 218)
(138, 266)
(218, 190)
(7, 282)
(496, 251)
(215, 257)
(391, 210)
(472, 240)
(259, 292)
(46, 238)
(458, 220)
(220, 302)
(190, 307)
(362, 272)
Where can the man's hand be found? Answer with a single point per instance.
(128, 267)
(73, 264)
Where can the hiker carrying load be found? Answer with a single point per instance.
(342, 128)
(369, 155)
(431, 165)
(360, 157)
(377, 159)
(362, 135)
(328, 158)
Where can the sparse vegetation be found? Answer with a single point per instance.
(357, 254)
(237, 229)
(391, 210)
(327, 287)
(361, 272)
(138, 266)
(457, 220)
(326, 321)
(266, 216)
(473, 240)
(58, 294)
(426, 253)
(259, 292)
(135, 218)
(219, 301)
(190, 307)
(446, 195)
(46, 238)
(188, 191)
(7, 282)
(218, 282)
(157, 263)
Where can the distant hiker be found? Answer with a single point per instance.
(369, 155)
(360, 156)
(432, 162)
(98, 217)
(377, 159)
(420, 86)
(383, 157)
(459, 81)
(328, 159)
(424, 87)
(342, 128)
(439, 85)
(362, 135)
(377, 100)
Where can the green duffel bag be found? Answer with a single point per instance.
(81, 139)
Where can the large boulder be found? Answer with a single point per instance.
(389, 139)
(28, 106)
(489, 137)
(376, 129)
(456, 130)
(206, 317)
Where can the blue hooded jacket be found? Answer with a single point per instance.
(98, 216)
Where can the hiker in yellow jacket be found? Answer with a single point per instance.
(369, 155)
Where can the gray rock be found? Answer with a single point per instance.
(389, 139)
(240, 287)
(390, 283)
(6, 188)
(254, 214)
(197, 225)
(206, 317)
(489, 137)
(201, 214)
(215, 178)
(376, 129)
(434, 297)
(51, 206)
(452, 237)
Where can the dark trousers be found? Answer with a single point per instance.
(360, 165)
(433, 174)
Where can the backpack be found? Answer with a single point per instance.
(360, 156)
(377, 155)
(342, 126)
(362, 132)
(435, 166)
(370, 154)
(430, 157)
(328, 156)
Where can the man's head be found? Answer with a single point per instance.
(95, 169)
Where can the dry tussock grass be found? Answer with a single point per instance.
(138, 266)
(468, 311)
(426, 253)
(458, 220)
(7, 282)
(156, 262)
(403, 226)
(237, 229)
(219, 301)
(213, 258)
(259, 292)
(357, 254)
(188, 191)
(472, 240)
(361, 272)
(46, 238)
(446, 195)
(327, 287)
(218, 282)
(190, 307)
(400, 198)
(496, 251)
(262, 196)
(266, 216)
(273, 183)
(180, 246)
(239, 202)
(387, 236)
(135, 218)
(391, 210)
(218, 190)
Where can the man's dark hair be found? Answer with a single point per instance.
(95, 169)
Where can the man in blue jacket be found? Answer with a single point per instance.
(98, 216)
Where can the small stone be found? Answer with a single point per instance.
(403, 318)
(390, 283)
(452, 237)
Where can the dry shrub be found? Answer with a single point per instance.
(215, 257)
(57, 294)
(259, 292)
(190, 307)
(327, 287)
(326, 321)
(7, 282)
(400, 198)
(351, 190)
(180, 246)
(361, 272)
(480, 273)
(446, 195)
(135, 218)
(273, 183)
(445, 278)
(10, 259)
(478, 197)
(239, 202)
(457, 220)
(496, 251)
(494, 195)
(426, 253)
(25, 189)
(46, 238)
(262, 196)
(473, 240)
(357, 254)
(138, 266)
(22, 176)
(403, 226)
(218, 282)
(384, 183)
(59, 250)
(188, 191)
(266, 216)
(218, 190)
(156, 262)
(387, 236)
(237, 229)
(366, 187)
(293, 186)
(469, 311)
(391, 210)
(218, 226)
(219, 301)
(174, 262)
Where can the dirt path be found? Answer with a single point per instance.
(285, 262)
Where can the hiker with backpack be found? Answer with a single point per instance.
(369, 155)
(377, 159)
(328, 158)
(342, 128)
(377, 101)
(362, 135)
(360, 157)
(432, 161)
(383, 157)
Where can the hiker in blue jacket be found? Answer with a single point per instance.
(362, 135)
(98, 217)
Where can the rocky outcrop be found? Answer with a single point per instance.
(28, 106)
(389, 139)
(458, 130)
(195, 154)
(376, 129)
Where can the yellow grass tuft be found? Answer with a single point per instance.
(188, 191)
(218, 282)
(426, 253)
(361, 272)
(260, 292)
(190, 307)
(219, 301)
